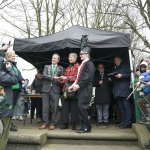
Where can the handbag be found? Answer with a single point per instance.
(69, 95)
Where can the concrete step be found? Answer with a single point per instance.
(25, 139)
(87, 147)
(96, 137)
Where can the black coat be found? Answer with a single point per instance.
(102, 91)
(121, 86)
(37, 84)
(7, 79)
(86, 84)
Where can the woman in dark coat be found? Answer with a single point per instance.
(102, 95)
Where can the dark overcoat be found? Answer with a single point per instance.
(102, 91)
(121, 85)
(7, 79)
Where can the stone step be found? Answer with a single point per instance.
(87, 147)
(96, 137)
(26, 139)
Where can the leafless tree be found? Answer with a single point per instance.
(5, 3)
(34, 18)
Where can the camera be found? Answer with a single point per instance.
(5, 44)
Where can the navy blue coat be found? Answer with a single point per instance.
(121, 86)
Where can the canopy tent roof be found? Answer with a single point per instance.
(38, 51)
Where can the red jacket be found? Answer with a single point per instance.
(71, 74)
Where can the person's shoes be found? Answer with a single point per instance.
(13, 128)
(39, 120)
(14, 118)
(83, 130)
(51, 127)
(13, 125)
(117, 122)
(147, 145)
(125, 126)
(20, 118)
(43, 127)
(99, 123)
(118, 125)
(106, 123)
(142, 121)
(73, 126)
(64, 126)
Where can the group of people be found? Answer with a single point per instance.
(54, 80)
(82, 78)
(143, 87)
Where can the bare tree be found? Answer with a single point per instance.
(5, 3)
(136, 16)
(34, 18)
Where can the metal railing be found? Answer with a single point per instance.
(138, 110)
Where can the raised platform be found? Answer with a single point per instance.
(29, 137)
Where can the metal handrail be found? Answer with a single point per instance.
(138, 110)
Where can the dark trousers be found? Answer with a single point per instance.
(70, 106)
(125, 109)
(33, 107)
(84, 98)
(15, 97)
(25, 111)
(39, 107)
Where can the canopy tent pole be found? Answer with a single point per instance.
(131, 68)
(133, 85)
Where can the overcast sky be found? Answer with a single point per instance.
(22, 64)
(25, 67)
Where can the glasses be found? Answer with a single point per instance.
(100, 67)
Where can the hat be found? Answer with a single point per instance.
(144, 63)
(85, 50)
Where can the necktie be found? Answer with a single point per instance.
(53, 69)
(102, 75)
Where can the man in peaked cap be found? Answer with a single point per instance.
(83, 84)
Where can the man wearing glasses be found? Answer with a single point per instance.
(102, 95)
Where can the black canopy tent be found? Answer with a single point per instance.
(105, 45)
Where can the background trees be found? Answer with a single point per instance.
(34, 18)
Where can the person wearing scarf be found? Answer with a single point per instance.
(84, 85)
(10, 56)
(70, 105)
